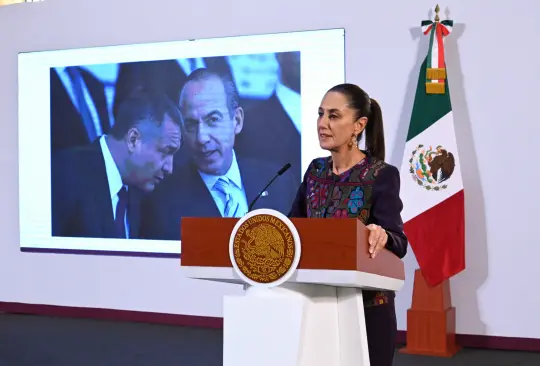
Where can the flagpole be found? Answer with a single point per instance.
(431, 319)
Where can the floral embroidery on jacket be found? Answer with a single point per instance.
(345, 196)
(348, 195)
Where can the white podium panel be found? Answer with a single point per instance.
(295, 325)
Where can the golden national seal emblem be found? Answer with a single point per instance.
(264, 248)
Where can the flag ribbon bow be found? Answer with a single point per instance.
(436, 64)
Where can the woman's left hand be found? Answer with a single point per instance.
(377, 239)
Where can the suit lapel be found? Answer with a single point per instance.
(101, 192)
(253, 183)
(206, 206)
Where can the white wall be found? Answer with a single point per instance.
(494, 75)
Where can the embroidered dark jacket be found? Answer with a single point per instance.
(368, 191)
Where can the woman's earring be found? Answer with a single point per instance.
(353, 142)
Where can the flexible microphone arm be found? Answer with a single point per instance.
(281, 171)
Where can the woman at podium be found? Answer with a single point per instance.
(355, 183)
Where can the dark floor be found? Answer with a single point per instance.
(27, 340)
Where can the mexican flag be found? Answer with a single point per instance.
(432, 187)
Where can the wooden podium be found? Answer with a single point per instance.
(317, 316)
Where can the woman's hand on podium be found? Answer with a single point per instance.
(377, 239)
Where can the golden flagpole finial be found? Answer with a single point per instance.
(437, 9)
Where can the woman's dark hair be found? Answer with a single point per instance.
(364, 106)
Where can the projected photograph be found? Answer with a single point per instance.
(117, 144)
(137, 146)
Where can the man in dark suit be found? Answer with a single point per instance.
(79, 112)
(215, 182)
(97, 188)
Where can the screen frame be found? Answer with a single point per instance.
(307, 156)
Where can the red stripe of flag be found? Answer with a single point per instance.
(439, 31)
(437, 237)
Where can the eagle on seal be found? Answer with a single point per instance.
(442, 165)
(266, 241)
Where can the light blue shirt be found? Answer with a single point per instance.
(114, 178)
(236, 188)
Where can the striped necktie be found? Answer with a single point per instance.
(231, 206)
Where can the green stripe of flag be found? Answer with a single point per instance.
(427, 108)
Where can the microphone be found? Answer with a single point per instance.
(280, 172)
